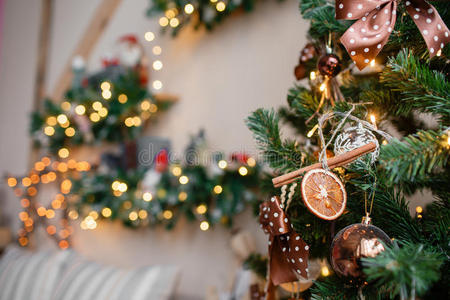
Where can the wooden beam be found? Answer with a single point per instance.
(42, 52)
(99, 22)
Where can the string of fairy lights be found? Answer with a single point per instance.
(33, 212)
(125, 199)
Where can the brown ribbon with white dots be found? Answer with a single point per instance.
(288, 253)
(376, 19)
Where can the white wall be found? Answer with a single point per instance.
(221, 77)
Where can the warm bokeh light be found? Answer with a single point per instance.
(220, 6)
(157, 65)
(184, 179)
(157, 85)
(80, 109)
(201, 209)
(176, 171)
(156, 50)
(63, 152)
(163, 21)
(218, 189)
(204, 225)
(106, 212)
(243, 171)
(167, 214)
(182, 196)
(149, 36)
(12, 182)
(222, 164)
(147, 196)
(122, 98)
(251, 162)
(189, 8)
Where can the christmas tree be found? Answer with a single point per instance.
(375, 69)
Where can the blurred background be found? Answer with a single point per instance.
(212, 80)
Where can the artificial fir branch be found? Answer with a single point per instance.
(405, 271)
(281, 155)
(422, 89)
(416, 157)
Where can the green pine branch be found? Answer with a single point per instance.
(404, 271)
(414, 158)
(282, 155)
(422, 89)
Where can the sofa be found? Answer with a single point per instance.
(57, 275)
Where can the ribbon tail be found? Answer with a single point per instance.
(430, 24)
(280, 270)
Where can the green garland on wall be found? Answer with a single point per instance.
(208, 195)
(110, 106)
(200, 13)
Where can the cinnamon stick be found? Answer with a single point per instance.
(333, 162)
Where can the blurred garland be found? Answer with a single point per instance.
(112, 105)
(210, 195)
(201, 13)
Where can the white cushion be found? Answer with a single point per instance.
(64, 275)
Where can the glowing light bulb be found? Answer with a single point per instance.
(49, 130)
(70, 131)
(220, 6)
(251, 162)
(183, 179)
(97, 105)
(157, 85)
(201, 209)
(312, 75)
(63, 152)
(122, 98)
(149, 36)
(80, 110)
(222, 164)
(243, 171)
(12, 182)
(189, 8)
(106, 94)
(372, 63)
(325, 271)
(174, 22)
(322, 87)
(163, 21)
(167, 214)
(51, 121)
(62, 119)
(182, 196)
(95, 117)
(143, 214)
(133, 216)
(204, 225)
(157, 65)
(218, 189)
(66, 105)
(147, 196)
(419, 209)
(176, 171)
(105, 85)
(157, 50)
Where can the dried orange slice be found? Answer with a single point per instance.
(324, 194)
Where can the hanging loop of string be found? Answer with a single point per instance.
(321, 121)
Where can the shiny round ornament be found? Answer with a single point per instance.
(329, 65)
(353, 243)
(300, 71)
(355, 137)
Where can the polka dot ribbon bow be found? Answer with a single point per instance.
(376, 19)
(288, 253)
